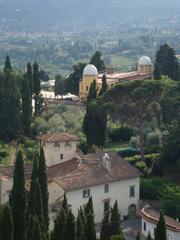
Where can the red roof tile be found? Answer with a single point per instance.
(57, 137)
(92, 172)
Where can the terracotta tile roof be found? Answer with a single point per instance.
(62, 169)
(92, 172)
(152, 215)
(57, 137)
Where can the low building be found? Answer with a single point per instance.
(90, 73)
(150, 218)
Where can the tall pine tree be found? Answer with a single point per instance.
(10, 107)
(115, 228)
(36, 233)
(167, 63)
(18, 199)
(160, 232)
(105, 228)
(70, 226)
(6, 224)
(104, 85)
(37, 88)
(79, 227)
(58, 232)
(42, 176)
(97, 61)
(26, 105)
(88, 122)
(89, 228)
(149, 236)
(7, 65)
(30, 77)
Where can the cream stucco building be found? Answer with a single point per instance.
(105, 177)
(150, 218)
(90, 73)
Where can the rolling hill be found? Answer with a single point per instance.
(45, 14)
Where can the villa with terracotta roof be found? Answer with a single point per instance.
(104, 176)
(150, 218)
(90, 73)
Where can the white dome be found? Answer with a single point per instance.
(144, 60)
(90, 70)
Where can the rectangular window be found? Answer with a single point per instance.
(144, 226)
(56, 144)
(106, 206)
(106, 188)
(132, 191)
(61, 156)
(86, 193)
(87, 89)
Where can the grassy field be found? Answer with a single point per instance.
(116, 146)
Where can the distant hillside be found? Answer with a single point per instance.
(44, 14)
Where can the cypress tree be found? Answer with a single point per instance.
(37, 88)
(30, 77)
(160, 232)
(70, 226)
(42, 176)
(64, 203)
(89, 229)
(36, 233)
(7, 65)
(148, 237)
(6, 224)
(18, 199)
(105, 228)
(35, 203)
(157, 73)
(138, 237)
(92, 92)
(11, 108)
(32, 193)
(26, 106)
(79, 226)
(104, 85)
(88, 122)
(58, 232)
(115, 228)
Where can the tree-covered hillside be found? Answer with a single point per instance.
(44, 14)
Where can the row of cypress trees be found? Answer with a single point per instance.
(16, 92)
(26, 215)
(66, 227)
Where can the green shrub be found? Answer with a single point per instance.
(129, 152)
(141, 166)
(120, 134)
(153, 141)
(3, 154)
(134, 142)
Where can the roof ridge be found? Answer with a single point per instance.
(52, 136)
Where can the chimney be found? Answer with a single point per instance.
(107, 162)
